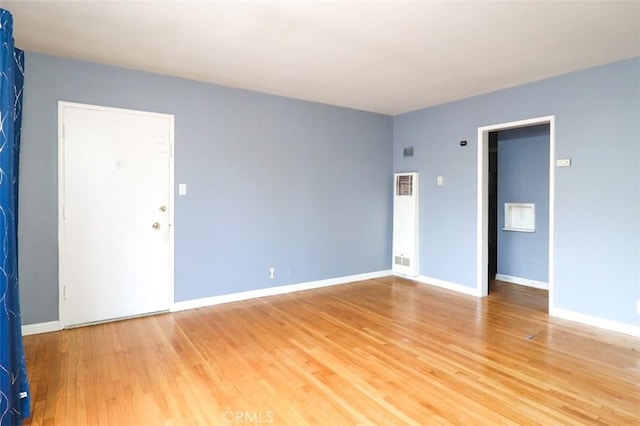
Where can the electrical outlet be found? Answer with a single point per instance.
(272, 273)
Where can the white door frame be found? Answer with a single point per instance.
(482, 250)
(61, 196)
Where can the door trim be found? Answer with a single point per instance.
(482, 249)
(62, 105)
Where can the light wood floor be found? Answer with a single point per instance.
(385, 351)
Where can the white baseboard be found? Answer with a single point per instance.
(522, 281)
(43, 327)
(472, 291)
(272, 291)
(619, 327)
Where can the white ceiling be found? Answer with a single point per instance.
(384, 56)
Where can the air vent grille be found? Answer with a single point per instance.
(402, 261)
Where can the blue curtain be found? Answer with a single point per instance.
(15, 400)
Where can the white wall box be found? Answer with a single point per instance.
(519, 217)
(405, 224)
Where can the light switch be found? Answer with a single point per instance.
(563, 162)
(182, 189)
(440, 180)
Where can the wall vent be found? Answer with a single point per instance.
(405, 224)
(402, 261)
(407, 151)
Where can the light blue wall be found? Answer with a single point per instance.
(597, 211)
(271, 182)
(523, 177)
(334, 218)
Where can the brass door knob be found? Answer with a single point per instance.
(156, 226)
(163, 208)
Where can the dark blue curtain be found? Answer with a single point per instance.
(15, 400)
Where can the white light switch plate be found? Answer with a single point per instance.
(563, 162)
(182, 189)
(440, 180)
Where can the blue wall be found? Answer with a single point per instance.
(237, 150)
(597, 210)
(301, 186)
(523, 177)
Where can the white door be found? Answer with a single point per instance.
(115, 202)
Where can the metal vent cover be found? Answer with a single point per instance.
(402, 261)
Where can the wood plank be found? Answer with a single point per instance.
(385, 351)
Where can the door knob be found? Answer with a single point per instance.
(163, 208)
(156, 225)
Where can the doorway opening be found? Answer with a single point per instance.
(493, 204)
(487, 191)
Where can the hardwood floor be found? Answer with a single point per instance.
(385, 351)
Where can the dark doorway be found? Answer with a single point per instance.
(493, 205)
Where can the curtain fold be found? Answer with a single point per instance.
(15, 399)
